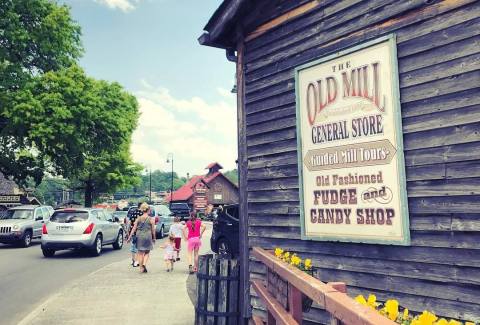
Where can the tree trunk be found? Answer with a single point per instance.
(88, 194)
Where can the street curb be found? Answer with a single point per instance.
(42, 306)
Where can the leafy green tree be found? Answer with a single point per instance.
(48, 191)
(161, 181)
(36, 36)
(53, 117)
(232, 175)
(82, 126)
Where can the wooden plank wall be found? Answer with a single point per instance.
(439, 63)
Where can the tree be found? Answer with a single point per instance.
(161, 181)
(232, 175)
(36, 36)
(83, 127)
(53, 116)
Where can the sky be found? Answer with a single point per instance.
(183, 89)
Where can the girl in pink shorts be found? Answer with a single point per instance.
(193, 235)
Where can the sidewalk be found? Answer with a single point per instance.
(119, 294)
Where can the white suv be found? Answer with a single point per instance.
(21, 224)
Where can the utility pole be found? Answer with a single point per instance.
(170, 159)
(150, 195)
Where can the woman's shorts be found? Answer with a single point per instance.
(194, 243)
(133, 248)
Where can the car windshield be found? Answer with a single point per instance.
(120, 214)
(69, 216)
(17, 214)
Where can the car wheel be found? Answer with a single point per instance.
(223, 247)
(162, 232)
(96, 249)
(27, 238)
(118, 244)
(48, 252)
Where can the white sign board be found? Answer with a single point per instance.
(351, 164)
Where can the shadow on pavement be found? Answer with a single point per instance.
(17, 246)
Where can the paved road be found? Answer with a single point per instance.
(27, 278)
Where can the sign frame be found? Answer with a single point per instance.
(400, 160)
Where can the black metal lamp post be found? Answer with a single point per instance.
(150, 187)
(170, 159)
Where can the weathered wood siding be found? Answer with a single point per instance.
(439, 63)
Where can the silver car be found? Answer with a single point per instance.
(21, 224)
(80, 228)
(163, 219)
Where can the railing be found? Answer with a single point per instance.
(330, 296)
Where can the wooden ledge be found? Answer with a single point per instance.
(336, 302)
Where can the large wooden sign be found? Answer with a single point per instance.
(351, 164)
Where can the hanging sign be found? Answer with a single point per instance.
(351, 164)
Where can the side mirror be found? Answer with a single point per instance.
(39, 218)
(115, 219)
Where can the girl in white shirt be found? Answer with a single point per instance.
(176, 230)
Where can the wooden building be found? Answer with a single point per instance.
(212, 188)
(435, 60)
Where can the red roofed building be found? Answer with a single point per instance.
(213, 188)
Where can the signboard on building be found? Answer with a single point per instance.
(351, 164)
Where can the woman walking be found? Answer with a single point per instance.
(144, 227)
(193, 235)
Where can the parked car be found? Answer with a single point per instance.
(163, 219)
(80, 228)
(225, 232)
(181, 210)
(21, 224)
(121, 218)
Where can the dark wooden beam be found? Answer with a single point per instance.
(244, 290)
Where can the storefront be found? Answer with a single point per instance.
(359, 144)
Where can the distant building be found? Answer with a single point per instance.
(8, 187)
(11, 195)
(213, 188)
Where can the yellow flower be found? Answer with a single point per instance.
(361, 299)
(427, 318)
(372, 301)
(441, 321)
(392, 309)
(308, 264)
(278, 252)
(405, 313)
(295, 260)
(286, 257)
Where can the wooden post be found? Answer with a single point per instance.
(339, 286)
(295, 303)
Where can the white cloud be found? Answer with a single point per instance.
(197, 132)
(124, 5)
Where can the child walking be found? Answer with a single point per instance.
(169, 256)
(177, 230)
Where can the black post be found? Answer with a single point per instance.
(150, 195)
(171, 187)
